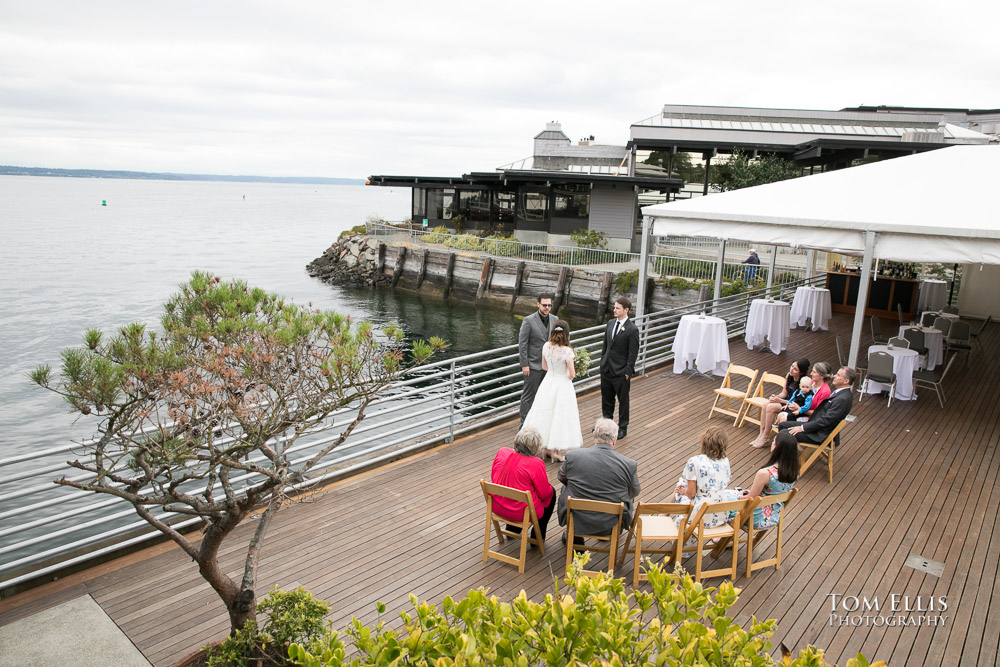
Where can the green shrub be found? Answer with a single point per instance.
(594, 622)
(675, 285)
(785, 277)
(502, 245)
(582, 363)
(439, 234)
(589, 238)
(357, 230)
(728, 288)
(464, 242)
(627, 281)
(290, 617)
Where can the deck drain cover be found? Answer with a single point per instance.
(921, 564)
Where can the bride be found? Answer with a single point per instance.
(554, 412)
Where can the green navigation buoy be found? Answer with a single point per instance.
(104, 202)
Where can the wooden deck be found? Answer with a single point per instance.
(910, 479)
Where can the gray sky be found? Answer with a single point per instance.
(343, 89)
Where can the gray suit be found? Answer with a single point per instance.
(530, 339)
(598, 473)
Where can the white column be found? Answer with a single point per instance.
(770, 271)
(810, 263)
(720, 262)
(859, 310)
(647, 224)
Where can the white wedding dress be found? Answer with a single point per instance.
(554, 412)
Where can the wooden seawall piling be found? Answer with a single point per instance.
(509, 283)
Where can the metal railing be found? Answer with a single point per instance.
(45, 528)
(597, 259)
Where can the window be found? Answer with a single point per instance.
(441, 204)
(474, 205)
(533, 205)
(572, 201)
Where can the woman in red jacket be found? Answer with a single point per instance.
(520, 468)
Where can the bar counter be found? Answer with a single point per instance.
(884, 293)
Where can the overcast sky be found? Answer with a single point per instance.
(342, 89)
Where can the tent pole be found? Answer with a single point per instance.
(718, 274)
(810, 263)
(770, 271)
(859, 309)
(640, 308)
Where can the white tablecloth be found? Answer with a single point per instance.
(950, 316)
(811, 303)
(768, 319)
(933, 341)
(933, 295)
(702, 343)
(904, 362)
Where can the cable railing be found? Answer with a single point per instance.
(45, 528)
(597, 259)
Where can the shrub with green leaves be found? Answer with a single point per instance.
(589, 238)
(464, 242)
(439, 234)
(675, 285)
(501, 245)
(593, 621)
(627, 281)
(581, 364)
(289, 617)
(357, 230)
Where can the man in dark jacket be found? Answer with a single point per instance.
(830, 412)
(598, 473)
(535, 331)
(618, 355)
(752, 262)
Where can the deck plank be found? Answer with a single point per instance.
(416, 525)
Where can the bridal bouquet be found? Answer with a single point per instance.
(582, 363)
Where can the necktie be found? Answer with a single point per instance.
(618, 326)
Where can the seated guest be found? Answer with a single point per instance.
(820, 376)
(778, 476)
(798, 370)
(801, 401)
(826, 417)
(520, 468)
(706, 477)
(598, 473)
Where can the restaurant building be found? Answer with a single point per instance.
(564, 186)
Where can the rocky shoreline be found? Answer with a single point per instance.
(351, 261)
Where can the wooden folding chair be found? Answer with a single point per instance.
(759, 398)
(755, 535)
(825, 448)
(529, 520)
(727, 391)
(580, 505)
(727, 533)
(654, 522)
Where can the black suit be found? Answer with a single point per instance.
(825, 418)
(618, 357)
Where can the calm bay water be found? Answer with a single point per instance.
(70, 263)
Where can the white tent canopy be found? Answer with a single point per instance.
(938, 206)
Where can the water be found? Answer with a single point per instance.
(70, 263)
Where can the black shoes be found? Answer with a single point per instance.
(577, 541)
(621, 434)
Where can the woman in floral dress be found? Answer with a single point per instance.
(706, 477)
(778, 476)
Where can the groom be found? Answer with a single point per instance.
(621, 347)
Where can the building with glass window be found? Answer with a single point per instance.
(565, 186)
(561, 188)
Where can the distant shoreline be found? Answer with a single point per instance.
(144, 175)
